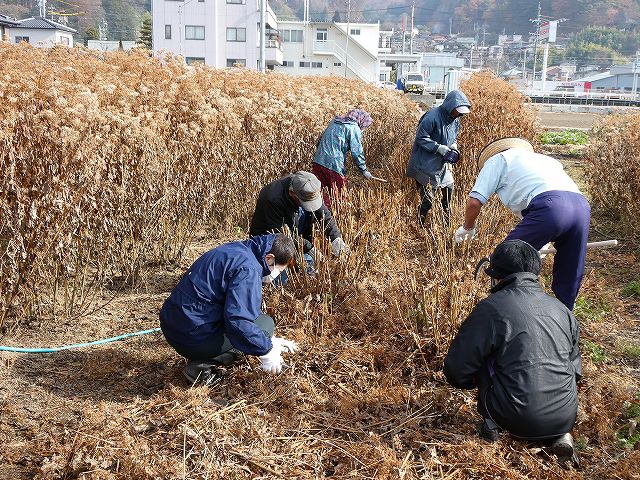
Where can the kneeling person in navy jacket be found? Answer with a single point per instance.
(213, 315)
(519, 348)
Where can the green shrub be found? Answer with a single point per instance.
(632, 289)
(565, 137)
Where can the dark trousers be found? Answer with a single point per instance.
(330, 181)
(214, 346)
(562, 218)
(427, 194)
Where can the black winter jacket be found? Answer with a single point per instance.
(275, 208)
(531, 340)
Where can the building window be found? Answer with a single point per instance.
(194, 60)
(167, 32)
(383, 77)
(355, 31)
(322, 35)
(287, 63)
(316, 64)
(305, 64)
(292, 36)
(22, 39)
(238, 2)
(64, 41)
(194, 32)
(236, 62)
(337, 64)
(236, 34)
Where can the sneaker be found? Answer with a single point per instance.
(563, 448)
(488, 430)
(203, 373)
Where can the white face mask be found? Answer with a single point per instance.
(272, 275)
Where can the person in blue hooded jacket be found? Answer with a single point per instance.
(434, 149)
(213, 314)
(344, 134)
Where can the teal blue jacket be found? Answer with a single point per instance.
(339, 138)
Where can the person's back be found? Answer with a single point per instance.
(527, 174)
(274, 208)
(534, 391)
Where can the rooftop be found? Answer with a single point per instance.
(42, 23)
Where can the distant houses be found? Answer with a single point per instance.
(37, 31)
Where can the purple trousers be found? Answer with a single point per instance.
(562, 218)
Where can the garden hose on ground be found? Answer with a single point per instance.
(77, 345)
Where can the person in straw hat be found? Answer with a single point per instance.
(552, 209)
(520, 348)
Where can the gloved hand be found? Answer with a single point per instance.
(367, 174)
(454, 146)
(315, 254)
(463, 234)
(442, 150)
(272, 361)
(339, 247)
(284, 345)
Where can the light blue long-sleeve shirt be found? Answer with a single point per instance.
(339, 138)
(517, 175)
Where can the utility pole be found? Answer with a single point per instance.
(450, 23)
(413, 6)
(42, 4)
(524, 66)
(636, 65)
(346, 46)
(263, 36)
(537, 21)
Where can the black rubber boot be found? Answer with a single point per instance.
(204, 372)
(563, 448)
(488, 430)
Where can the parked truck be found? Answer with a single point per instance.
(414, 83)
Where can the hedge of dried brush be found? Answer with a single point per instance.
(111, 161)
(613, 175)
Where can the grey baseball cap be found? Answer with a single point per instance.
(307, 187)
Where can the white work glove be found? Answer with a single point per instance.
(339, 247)
(367, 174)
(272, 361)
(288, 346)
(315, 254)
(442, 150)
(454, 146)
(463, 234)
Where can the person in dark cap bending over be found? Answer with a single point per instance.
(519, 348)
(281, 202)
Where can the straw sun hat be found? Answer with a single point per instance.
(499, 146)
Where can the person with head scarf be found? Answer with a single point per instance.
(435, 149)
(520, 348)
(342, 135)
(536, 188)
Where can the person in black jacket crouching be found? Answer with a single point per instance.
(519, 348)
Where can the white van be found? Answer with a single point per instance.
(414, 83)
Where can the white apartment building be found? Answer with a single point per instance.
(225, 33)
(220, 33)
(38, 31)
(325, 48)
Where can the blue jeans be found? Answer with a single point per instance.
(283, 278)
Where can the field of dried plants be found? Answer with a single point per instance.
(119, 170)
